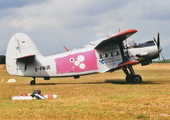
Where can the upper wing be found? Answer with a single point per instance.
(118, 38)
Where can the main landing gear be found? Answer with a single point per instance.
(131, 77)
(32, 81)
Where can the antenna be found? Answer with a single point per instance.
(65, 48)
(119, 29)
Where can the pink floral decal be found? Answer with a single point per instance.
(78, 62)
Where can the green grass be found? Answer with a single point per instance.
(100, 96)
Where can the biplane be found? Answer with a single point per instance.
(104, 55)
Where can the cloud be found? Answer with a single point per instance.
(53, 23)
(5, 4)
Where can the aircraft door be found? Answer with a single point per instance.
(117, 58)
(109, 57)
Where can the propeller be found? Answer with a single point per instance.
(159, 47)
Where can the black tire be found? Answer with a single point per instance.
(137, 79)
(32, 82)
(129, 78)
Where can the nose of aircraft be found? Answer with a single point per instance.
(158, 45)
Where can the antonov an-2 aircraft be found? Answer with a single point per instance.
(104, 55)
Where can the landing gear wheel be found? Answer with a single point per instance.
(32, 82)
(129, 78)
(137, 79)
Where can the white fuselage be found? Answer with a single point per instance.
(24, 59)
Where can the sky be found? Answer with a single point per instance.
(74, 23)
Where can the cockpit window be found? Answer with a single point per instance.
(134, 44)
(149, 43)
(130, 43)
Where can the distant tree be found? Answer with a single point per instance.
(2, 59)
(162, 61)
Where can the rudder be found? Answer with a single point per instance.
(19, 46)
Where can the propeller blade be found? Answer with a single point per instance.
(158, 41)
(154, 39)
(159, 47)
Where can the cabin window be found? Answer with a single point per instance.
(111, 54)
(117, 53)
(105, 55)
(100, 56)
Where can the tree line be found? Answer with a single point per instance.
(162, 61)
(2, 59)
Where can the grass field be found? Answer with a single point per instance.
(99, 96)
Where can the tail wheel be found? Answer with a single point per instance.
(32, 82)
(137, 79)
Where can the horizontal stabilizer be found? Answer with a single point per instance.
(27, 56)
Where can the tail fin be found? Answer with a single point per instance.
(19, 46)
